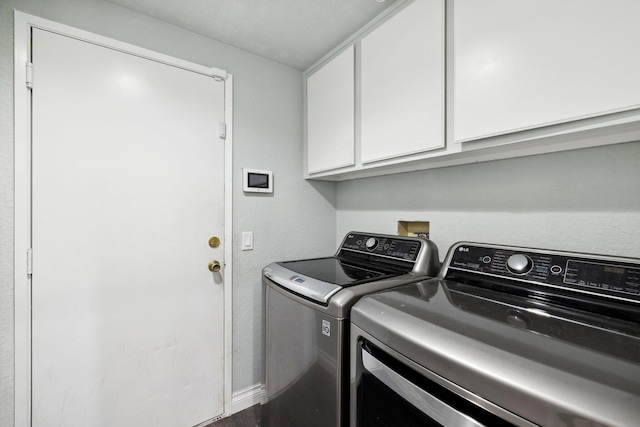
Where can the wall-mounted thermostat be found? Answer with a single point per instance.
(256, 181)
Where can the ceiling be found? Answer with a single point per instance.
(296, 33)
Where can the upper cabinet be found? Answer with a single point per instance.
(402, 84)
(388, 109)
(330, 114)
(440, 83)
(528, 64)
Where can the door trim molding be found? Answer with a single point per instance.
(228, 244)
(23, 23)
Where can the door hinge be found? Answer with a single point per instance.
(29, 261)
(222, 130)
(29, 75)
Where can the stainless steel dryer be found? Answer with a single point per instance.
(307, 322)
(503, 336)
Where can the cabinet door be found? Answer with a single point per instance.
(531, 63)
(330, 114)
(402, 83)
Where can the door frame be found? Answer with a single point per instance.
(23, 23)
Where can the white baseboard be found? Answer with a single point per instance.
(247, 397)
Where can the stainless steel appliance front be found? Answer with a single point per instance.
(389, 389)
(307, 318)
(502, 336)
(304, 363)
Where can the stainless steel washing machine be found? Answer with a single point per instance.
(307, 322)
(503, 336)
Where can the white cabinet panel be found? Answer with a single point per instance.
(402, 83)
(330, 114)
(530, 63)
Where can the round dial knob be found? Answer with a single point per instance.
(371, 243)
(519, 264)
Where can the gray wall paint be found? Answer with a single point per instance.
(583, 200)
(268, 134)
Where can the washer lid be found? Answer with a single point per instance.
(308, 287)
(320, 278)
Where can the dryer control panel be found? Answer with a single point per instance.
(607, 276)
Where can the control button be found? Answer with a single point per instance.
(371, 243)
(386, 246)
(556, 269)
(486, 259)
(519, 264)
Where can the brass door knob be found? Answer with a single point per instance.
(214, 266)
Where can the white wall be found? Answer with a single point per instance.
(584, 200)
(268, 105)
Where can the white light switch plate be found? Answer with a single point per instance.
(247, 240)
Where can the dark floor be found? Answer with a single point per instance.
(250, 417)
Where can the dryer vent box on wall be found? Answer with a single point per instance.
(413, 228)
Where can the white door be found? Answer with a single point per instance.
(127, 189)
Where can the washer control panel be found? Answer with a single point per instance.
(395, 247)
(619, 277)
